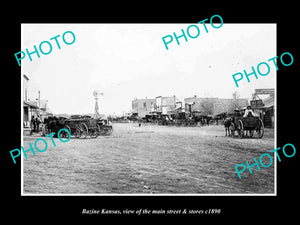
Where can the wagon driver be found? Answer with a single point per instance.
(249, 112)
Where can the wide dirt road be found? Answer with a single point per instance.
(150, 160)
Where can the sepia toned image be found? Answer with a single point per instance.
(142, 119)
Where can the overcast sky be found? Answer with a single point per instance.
(125, 61)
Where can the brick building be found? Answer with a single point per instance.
(213, 106)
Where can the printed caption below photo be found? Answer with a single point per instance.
(150, 211)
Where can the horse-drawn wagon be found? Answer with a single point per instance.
(83, 126)
(80, 126)
(249, 124)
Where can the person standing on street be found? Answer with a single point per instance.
(38, 121)
(32, 123)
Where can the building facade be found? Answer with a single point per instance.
(143, 107)
(213, 106)
(32, 107)
(264, 107)
(165, 104)
(159, 105)
(29, 109)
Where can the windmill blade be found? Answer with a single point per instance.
(97, 93)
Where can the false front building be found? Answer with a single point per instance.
(213, 106)
(142, 107)
(159, 105)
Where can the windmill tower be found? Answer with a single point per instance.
(96, 96)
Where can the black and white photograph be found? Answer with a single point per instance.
(149, 109)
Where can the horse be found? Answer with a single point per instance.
(227, 123)
(54, 124)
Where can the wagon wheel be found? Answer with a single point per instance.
(108, 130)
(67, 127)
(82, 131)
(240, 129)
(231, 129)
(100, 130)
(64, 135)
(78, 132)
(93, 133)
(260, 130)
(85, 130)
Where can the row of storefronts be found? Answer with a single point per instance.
(264, 107)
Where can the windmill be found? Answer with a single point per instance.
(96, 94)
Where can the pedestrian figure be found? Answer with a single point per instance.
(38, 121)
(33, 123)
(43, 129)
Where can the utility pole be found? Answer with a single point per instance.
(39, 100)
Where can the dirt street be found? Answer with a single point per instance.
(150, 160)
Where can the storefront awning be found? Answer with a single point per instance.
(27, 104)
(268, 103)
